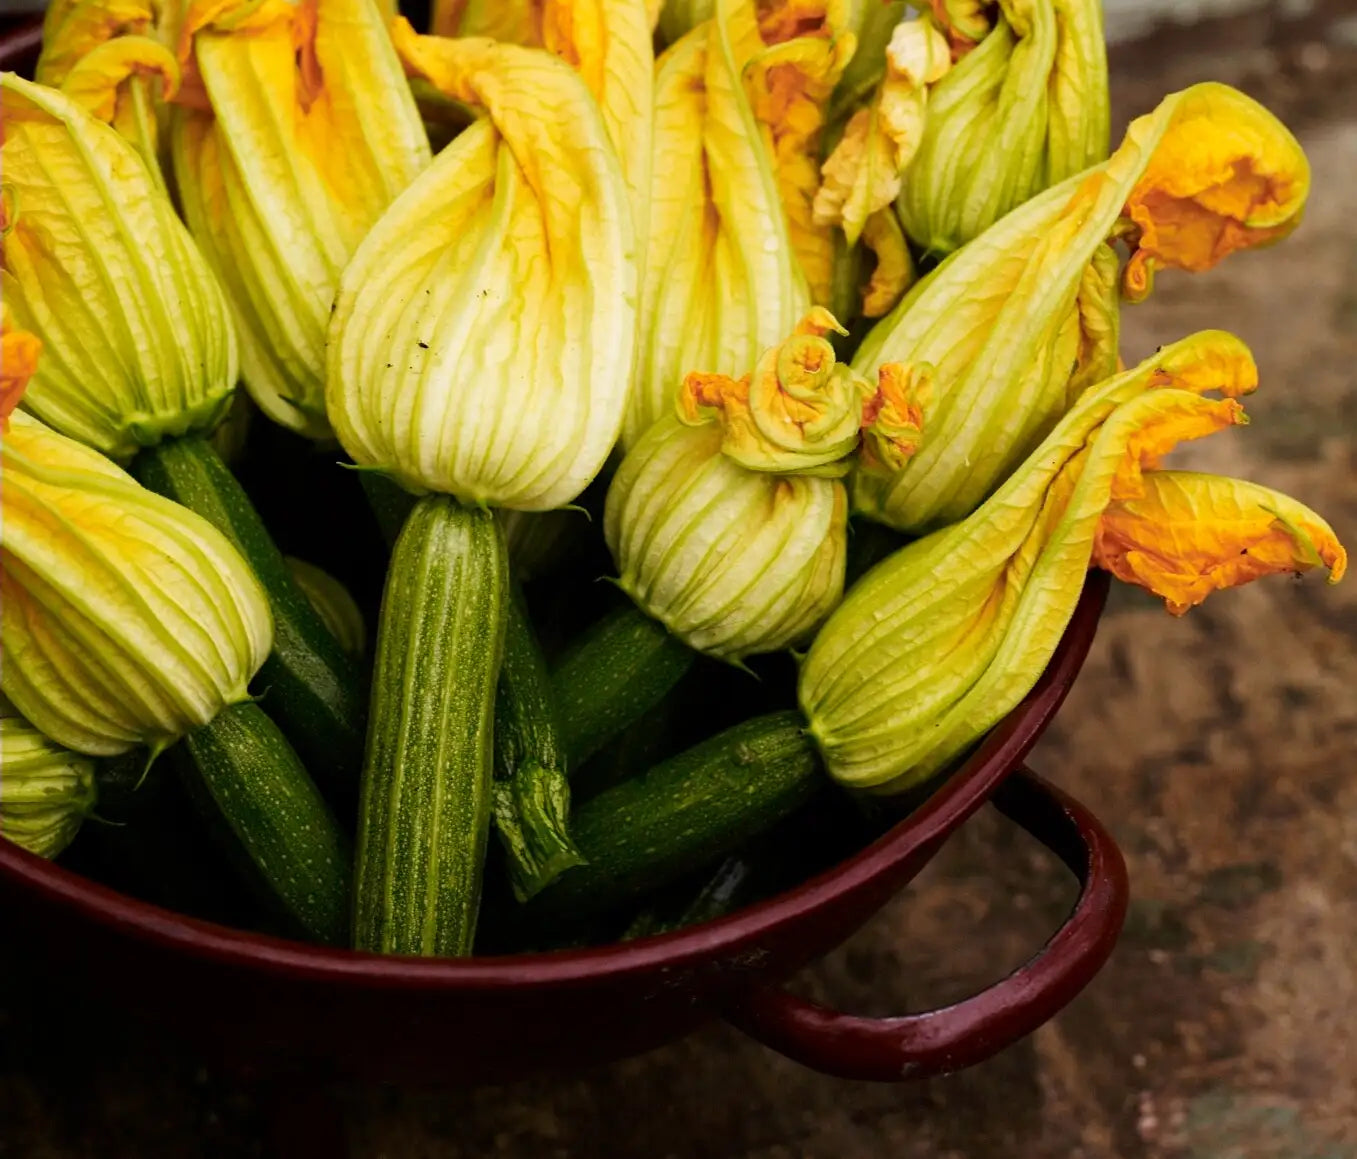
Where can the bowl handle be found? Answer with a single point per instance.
(954, 1037)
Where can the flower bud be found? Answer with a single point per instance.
(731, 561)
(1003, 321)
(939, 642)
(307, 133)
(482, 337)
(125, 619)
(46, 791)
(1022, 112)
(138, 341)
(716, 218)
(798, 413)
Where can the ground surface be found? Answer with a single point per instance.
(1220, 748)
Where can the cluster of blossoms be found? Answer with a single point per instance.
(820, 260)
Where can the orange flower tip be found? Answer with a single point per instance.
(819, 322)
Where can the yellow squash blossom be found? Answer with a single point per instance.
(862, 175)
(125, 619)
(939, 642)
(715, 221)
(482, 337)
(137, 338)
(308, 134)
(46, 791)
(1003, 321)
(1022, 112)
(727, 521)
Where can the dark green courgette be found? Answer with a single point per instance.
(242, 763)
(315, 691)
(532, 795)
(612, 676)
(424, 816)
(687, 812)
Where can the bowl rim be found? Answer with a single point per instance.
(1001, 752)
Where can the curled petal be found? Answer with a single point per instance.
(71, 31)
(1227, 177)
(863, 174)
(966, 22)
(1184, 535)
(893, 270)
(798, 412)
(95, 82)
(893, 421)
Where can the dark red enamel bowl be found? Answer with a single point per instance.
(266, 1005)
(276, 1007)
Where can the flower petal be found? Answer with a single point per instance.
(1183, 535)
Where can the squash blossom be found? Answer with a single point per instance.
(296, 136)
(1022, 112)
(138, 340)
(125, 619)
(716, 220)
(728, 521)
(46, 791)
(1003, 320)
(940, 641)
(481, 341)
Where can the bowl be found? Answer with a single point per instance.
(274, 1008)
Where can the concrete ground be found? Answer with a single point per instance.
(1220, 748)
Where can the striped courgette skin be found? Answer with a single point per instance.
(532, 795)
(686, 812)
(612, 676)
(425, 809)
(314, 690)
(244, 766)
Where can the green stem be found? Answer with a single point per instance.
(312, 687)
(685, 813)
(612, 676)
(532, 794)
(425, 813)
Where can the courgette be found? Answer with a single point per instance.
(310, 685)
(686, 812)
(612, 676)
(243, 764)
(532, 795)
(424, 815)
